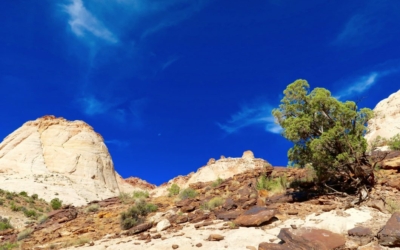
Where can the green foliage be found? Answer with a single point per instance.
(140, 194)
(9, 196)
(135, 214)
(274, 185)
(34, 196)
(42, 219)
(92, 208)
(8, 246)
(56, 203)
(187, 193)
(23, 193)
(5, 224)
(217, 182)
(1, 202)
(174, 190)
(394, 142)
(30, 213)
(24, 234)
(326, 132)
(213, 203)
(14, 207)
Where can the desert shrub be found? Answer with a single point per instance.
(92, 208)
(274, 185)
(5, 224)
(30, 213)
(8, 246)
(34, 196)
(187, 193)
(2, 192)
(23, 193)
(14, 207)
(377, 142)
(125, 197)
(135, 214)
(392, 206)
(56, 203)
(140, 194)
(213, 203)
(394, 142)
(217, 182)
(1, 202)
(24, 234)
(9, 196)
(173, 190)
(42, 219)
(327, 133)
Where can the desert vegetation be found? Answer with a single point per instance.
(136, 214)
(173, 190)
(328, 135)
(187, 193)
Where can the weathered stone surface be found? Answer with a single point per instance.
(229, 204)
(390, 233)
(272, 246)
(361, 235)
(229, 215)
(310, 238)
(215, 237)
(255, 216)
(53, 155)
(140, 228)
(386, 119)
(163, 224)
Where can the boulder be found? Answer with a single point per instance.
(361, 235)
(163, 224)
(255, 216)
(307, 238)
(390, 233)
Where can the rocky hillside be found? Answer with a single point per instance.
(386, 122)
(53, 157)
(235, 213)
(223, 168)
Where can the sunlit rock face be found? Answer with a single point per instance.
(386, 122)
(223, 168)
(54, 157)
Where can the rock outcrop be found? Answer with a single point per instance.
(53, 157)
(223, 168)
(386, 122)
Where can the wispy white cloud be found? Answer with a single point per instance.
(169, 62)
(371, 25)
(83, 23)
(250, 115)
(360, 84)
(92, 105)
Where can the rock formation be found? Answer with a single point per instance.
(223, 168)
(386, 122)
(54, 157)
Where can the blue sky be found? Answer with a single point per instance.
(170, 84)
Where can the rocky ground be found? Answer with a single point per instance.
(232, 214)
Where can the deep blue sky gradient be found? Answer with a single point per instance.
(170, 84)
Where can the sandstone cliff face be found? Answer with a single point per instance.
(386, 122)
(223, 168)
(54, 157)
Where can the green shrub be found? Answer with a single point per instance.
(125, 197)
(394, 142)
(140, 194)
(187, 193)
(23, 193)
(9, 196)
(92, 208)
(2, 192)
(135, 214)
(1, 202)
(274, 185)
(217, 182)
(14, 207)
(56, 203)
(42, 219)
(24, 234)
(213, 203)
(8, 246)
(34, 196)
(174, 190)
(5, 224)
(30, 213)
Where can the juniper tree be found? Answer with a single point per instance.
(328, 134)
